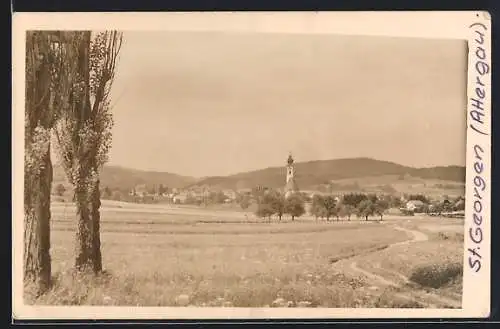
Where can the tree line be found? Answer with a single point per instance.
(69, 76)
(274, 203)
(362, 205)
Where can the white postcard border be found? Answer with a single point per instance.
(472, 26)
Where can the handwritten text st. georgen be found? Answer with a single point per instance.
(481, 70)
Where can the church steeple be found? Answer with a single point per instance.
(289, 168)
(290, 185)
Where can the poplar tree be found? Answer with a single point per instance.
(84, 138)
(50, 70)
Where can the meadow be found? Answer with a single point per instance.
(157, 255)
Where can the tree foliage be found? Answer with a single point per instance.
(381, 207)
(84, 132)
(84, 136)
(294, 206)
(330, 204)
(50, 69)
(354, 199)
(346, 210)
(264, 210)
(318, 206)
(419, 197)
(366, 208)
(244, 201)
(277, 202)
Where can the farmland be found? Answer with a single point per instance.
(158, 255)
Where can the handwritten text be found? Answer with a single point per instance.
(477, 124)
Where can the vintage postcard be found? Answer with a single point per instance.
(251, 165)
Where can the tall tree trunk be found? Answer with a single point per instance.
(37, 165)
(96, 230)
(88, 241)
(83, 246)
(83, 194)
(37, 267)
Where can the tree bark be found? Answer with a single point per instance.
(87, 196)
(83, 237)
(96, 231)
(37, 262)
(37, 166)
(88, 241)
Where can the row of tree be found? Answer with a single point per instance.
(326, 207)
(361, 205)
(69, 75)
(275, 203)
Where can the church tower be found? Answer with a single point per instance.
(290, 185)
(289, 169)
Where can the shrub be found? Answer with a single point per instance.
(436, 275)
(452, 236)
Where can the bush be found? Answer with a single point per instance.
(452, 236)
(436, 275)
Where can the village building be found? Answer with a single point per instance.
(415, 205)
(180, 198)
(139, 190)
(230, 194)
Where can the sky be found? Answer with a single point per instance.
(214, 103)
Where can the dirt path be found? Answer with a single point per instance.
(427, 298)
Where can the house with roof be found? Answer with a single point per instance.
(231, 194)
(415, 205)
(180, 198)
(139, 190)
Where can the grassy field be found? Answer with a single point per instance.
(160, 256)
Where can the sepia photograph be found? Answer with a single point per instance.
(245, 169)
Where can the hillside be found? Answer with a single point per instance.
(116, 177)
(335, 174)
(310, 175)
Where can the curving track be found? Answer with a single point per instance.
(427, 298)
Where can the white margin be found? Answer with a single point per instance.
(442, 25)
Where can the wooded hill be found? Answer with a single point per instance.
(309, 175)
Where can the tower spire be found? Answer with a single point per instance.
(290, 185)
